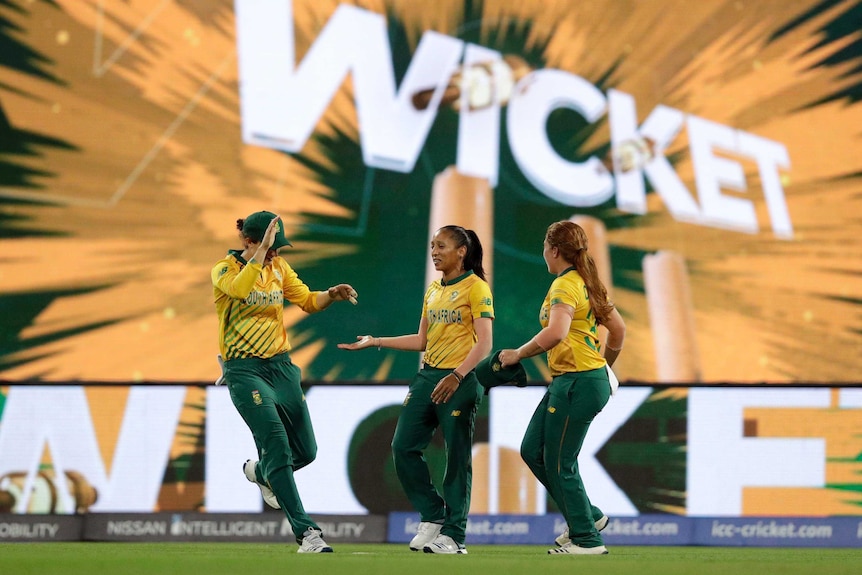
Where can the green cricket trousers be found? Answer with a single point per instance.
(418, 420)
(553, 441)
(268, 396)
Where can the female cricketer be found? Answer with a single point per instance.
(455, 334)
(574, 306)
(251, 287)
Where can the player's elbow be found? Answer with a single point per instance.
(616, 335)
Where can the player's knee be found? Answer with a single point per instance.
(401, 451)
(307, 456)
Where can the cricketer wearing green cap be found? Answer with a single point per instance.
(254, 227)
(251, 287)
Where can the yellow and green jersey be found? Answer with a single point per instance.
(581, 349)
(250, 299)
(450, 308)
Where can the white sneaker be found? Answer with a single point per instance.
(312, 542)
(572, 549)
(426, 533)
(563, 537)
(248, 468)
(445, 545)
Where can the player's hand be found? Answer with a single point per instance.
(508, 357)
(269, 235)
(445, 389)
(362, 341)
(343, 292)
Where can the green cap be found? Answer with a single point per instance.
(491, 373)
(255, 226)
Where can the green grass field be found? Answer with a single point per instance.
(356, 559)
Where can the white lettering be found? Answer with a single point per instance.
(634, 527)
(769, 156)
(770, 530)
(478, 152)
(342, 529)
(712, 172)
(661, 127)
(60, 419)
(180, 527)
(496, 527)
(281, 103)
(722, 462)
(571, 183)
(136, 528)
(14, 530)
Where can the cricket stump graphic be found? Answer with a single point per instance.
(502, 482)
(671, 315)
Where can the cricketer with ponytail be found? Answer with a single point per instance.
(575, 305)
(455, 334)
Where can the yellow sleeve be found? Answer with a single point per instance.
(562, 292)
(233, 281)
(295, 290)
(481, 302)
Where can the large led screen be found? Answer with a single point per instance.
(710, 149)
(707, 451)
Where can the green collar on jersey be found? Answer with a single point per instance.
(455, 280)
(238, 255)
(567, 270)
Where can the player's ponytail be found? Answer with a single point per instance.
(571, 240)
(473, 259)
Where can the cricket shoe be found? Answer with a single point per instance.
(563, 537)
(312, 542)
(445, 545)
(572, 549)
(426, 533)
(248, 468)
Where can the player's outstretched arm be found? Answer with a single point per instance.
(340, 292)
(409, 342)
